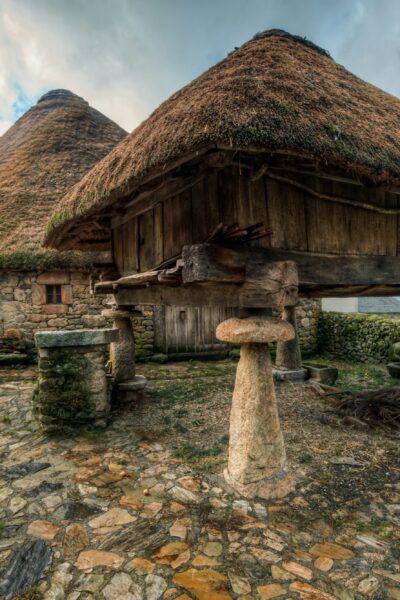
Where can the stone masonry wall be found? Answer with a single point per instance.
(143, 327)
(358, 337)
(23, 311)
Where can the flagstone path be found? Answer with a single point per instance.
(110, 515)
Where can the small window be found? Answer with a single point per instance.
(53, 294)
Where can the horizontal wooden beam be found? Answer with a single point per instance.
(206, 294)
(318, 273)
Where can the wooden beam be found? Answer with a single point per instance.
(214, 262)
(206, 294)
(261, 284)
(136, 280)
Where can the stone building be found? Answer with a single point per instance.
(41, 156)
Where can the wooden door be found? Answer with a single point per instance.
(189, 329)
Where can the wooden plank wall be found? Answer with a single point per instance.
(192, 329)
(298, 220)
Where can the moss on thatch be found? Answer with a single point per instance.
(276, 92)
(25, 260)
(42, 156)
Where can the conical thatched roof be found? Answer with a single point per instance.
(276, 92)
(42, 156)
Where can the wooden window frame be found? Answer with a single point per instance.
(54, 294)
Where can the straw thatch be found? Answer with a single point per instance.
(42, 156)
(276, 92)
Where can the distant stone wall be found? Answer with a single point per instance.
(23, 307)
(358, 337)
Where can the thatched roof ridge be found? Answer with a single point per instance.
(277, 92)
(42, 156)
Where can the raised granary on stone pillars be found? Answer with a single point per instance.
(249, 188)
(257, 458)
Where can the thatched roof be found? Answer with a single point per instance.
(277, 92)
(42, 156)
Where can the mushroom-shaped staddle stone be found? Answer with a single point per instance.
(257, 458)
(123, 351)
(255, 330)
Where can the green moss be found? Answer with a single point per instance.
(192, 453)
(334, 131)
(63, 392)
(26, 260)
(57, 218)
(357, 337)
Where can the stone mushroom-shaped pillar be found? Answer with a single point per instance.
(288, 354)
(257, 458)
(128, 383)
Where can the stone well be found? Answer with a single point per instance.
(73, 385)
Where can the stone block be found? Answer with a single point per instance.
(94, 320)
(82, 337)
(53, 278)
(80, 278)
(294, 375)
(55, 309)
(322, 373)
(38, 294)
(66, 294)
(19, 295)
(59, 322)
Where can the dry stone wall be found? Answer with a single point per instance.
(358, 337)
(143, 326)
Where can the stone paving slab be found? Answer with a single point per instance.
(111, 516)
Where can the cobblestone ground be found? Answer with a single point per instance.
(113, 515)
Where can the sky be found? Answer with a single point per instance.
(126, 56)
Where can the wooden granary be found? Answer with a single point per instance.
(275, 173)
(275, 154)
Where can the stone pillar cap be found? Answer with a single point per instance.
(79, 337)
(255, 330)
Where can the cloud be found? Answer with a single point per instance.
(127, 56)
